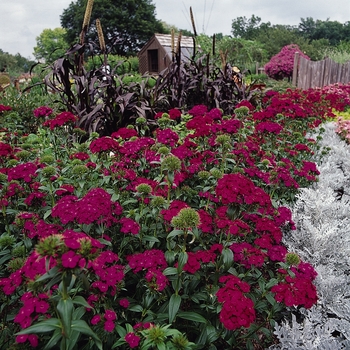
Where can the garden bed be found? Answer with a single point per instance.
(180, 240)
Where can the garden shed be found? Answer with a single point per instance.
(156, 55)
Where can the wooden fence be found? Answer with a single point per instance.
(311, 74)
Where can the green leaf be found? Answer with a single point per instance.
(174, 233)
(79, 300)
(118, 343)
(191, 316)
(42, 327)
(136, 308)
(47, 214)
(270, 298)
(161, 346)
(182, 260)
(121, 331)
(65, 309)
(170, 257)
(271, 283)
(170, 271)
(50, 274)
(105, 242)
(174, 305)
(227, 255)
(150, 239)
(79, 312)
(82, 327)
(5, 258)
(57, 335)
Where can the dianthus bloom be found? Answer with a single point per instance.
(195, 259)
(124, 303)
(247, 255)
(26, 171)
(60, 120)
(5, 149)
(296, 291)
(4, 108)
(42, 111)
(110, 315)
(237, 310)
(174, 209)
(32, 338)
(198, 110)
(271, 127)
(235, 188)
(167, 137)
(132, 339)
(129, 226)
(149, 259)
(174, 114)
(70, 259)
(104, 144)
(124, 133)
(156, 280)
(96, 319)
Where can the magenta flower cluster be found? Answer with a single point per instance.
(281, 65)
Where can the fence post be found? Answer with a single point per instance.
(295, 69)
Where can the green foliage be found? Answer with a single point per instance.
(21, 119)
(333, 31)
(127, 25)
(238, 52)
(339, 54)
(311, 36)
(50, 45)
(14, 64)
(119, 64)
(245, 28)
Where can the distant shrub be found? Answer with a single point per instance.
(281, 65)
(122, 65)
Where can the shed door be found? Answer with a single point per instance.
(153, 60)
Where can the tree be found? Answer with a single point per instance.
(14, 64)
(167, 28)
(51, 45)
(333, 31)
(127, 25)
(245, 28)
(307, 27)
(277, 36)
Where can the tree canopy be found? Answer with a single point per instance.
(127, 25)
(51, 45)
(14, 64)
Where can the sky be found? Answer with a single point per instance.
(22, 21)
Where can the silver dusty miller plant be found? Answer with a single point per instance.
(322, 238)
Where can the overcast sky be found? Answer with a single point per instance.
(21, 21)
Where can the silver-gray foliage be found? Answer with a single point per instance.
(322, 238)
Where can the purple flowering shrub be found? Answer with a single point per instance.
(130, 241)
(281, 65)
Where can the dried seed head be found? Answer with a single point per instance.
(101, 38)
(87, 15)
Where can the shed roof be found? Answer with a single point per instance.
(164, 40)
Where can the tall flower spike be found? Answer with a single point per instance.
(178, 45)
(86, 20)
(172, 43)
(101, 38)
(87, 15)
(192, 21)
